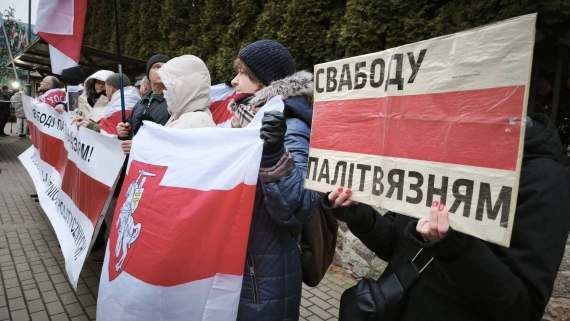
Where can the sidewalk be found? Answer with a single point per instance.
(33, 280)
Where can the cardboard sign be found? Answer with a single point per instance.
(438, 120)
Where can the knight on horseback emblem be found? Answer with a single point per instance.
(127, 230)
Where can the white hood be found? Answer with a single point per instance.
(187, 82)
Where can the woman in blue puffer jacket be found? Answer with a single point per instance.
(271, 288)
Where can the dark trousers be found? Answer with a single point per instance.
(4, 117)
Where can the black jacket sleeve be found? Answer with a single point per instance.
(514, 283)
(375, 231)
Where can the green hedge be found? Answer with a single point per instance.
(314, 31)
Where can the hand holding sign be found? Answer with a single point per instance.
(437, 226)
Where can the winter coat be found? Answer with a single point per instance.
(470, 279)
(113, 108)
(187, 82)
(98, 110)
(152, 104)
(5, 103)
(271, 288)
(18, 106)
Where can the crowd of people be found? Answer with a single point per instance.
(468, 279)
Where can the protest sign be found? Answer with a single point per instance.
(181, 224)
(74, 172)
(438, 120)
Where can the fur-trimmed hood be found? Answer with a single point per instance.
(298, 84)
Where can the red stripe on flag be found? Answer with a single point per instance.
(109, 124)
(466, 128)
(70, 45)
(88, 194)
(219, 110)
(52, 150)
(185, 234)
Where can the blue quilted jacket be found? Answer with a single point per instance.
(272, 277)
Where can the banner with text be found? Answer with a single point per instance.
(438, 120)
(74, 173)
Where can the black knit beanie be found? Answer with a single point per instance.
(73, 76)
(154, 59)
(268, 60)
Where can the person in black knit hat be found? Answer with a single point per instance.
(271, 288)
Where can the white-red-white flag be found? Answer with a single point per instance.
(177, 245)
(113, 113)
(220, 97)
(61, 23)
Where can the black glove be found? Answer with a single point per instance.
(272, 132)
(142, 117)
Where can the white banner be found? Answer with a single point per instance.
(74, 173)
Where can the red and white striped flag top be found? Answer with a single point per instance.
(61, 24)
(177, 246)
(220, 97)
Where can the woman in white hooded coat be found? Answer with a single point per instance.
(187, 82)
(93, 102)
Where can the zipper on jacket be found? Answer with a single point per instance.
(249, 261)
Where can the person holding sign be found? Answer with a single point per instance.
(471, 279)
(271, 288)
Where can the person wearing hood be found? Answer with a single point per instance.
(187, 82)
(471, 279)
(93, 101)
(112, 111)
(271, 288)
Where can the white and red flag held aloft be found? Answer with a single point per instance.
(61, 24)
(438, 120)
(177, 245)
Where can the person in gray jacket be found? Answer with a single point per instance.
(21, 122)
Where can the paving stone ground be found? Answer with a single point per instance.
(33, 281)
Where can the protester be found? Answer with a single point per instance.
(4, 109)
(152, 104)
(470, 279)
(21, 122)
(187, 82)
(143, 86)
(112, 92)
(93, 102)
(271, 288)
(51, 93)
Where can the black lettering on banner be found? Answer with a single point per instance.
(398, 80)
(415, 65)
(486, 200)
(416, 187)
(314, 160)
(359, 75)
(331, 79)
(339, 164)
(350, 174)
(399, 184)
(345, 78)
(462, 198)
(442, 192)
(324, 171)
(363, 169)
(318, 88)
(377, 181)
(377, 62)
(43, 118)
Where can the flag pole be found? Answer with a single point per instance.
(9, 49)
(119, 59)
(29, 35)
